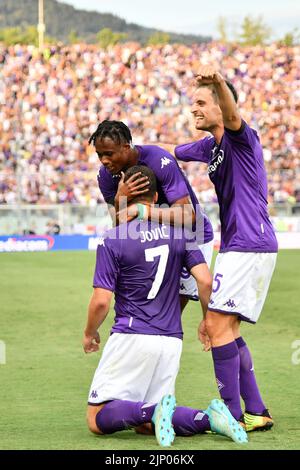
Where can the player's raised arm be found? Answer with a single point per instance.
(208, 75)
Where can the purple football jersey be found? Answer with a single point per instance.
(171, 185)
(236, 167)
(141, 263)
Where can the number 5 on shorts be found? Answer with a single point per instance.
(217, 278)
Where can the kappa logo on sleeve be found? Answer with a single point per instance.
(165, 161)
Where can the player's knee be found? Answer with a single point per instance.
(93, 426)
(212, 323)
(217, 324)
(91, 422)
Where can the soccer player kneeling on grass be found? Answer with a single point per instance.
(134, 383)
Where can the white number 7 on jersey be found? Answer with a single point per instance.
(163, 253)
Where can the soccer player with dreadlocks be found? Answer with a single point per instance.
(117, 153)
(134, 383)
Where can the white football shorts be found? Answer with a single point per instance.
(241, 283)
(137, 368)
(188, 285)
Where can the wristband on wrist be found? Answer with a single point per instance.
(142, 211)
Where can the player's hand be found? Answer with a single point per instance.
(127, 214)
(134, 186)
(91, 342)
(203, 336)
(208, 75)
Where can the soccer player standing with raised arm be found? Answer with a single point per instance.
(247, 257)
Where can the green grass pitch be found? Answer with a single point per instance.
(46, 378)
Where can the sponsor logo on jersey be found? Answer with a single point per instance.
(216, 161)
(165, 161)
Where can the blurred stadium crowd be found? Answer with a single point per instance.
(51, 103)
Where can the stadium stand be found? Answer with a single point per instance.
(51, 103)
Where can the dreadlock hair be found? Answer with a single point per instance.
(117, 131)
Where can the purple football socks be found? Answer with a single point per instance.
(227, 368)
(248, 386)
(118, 415)
(188, 422)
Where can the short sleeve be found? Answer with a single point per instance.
(193, 255)
(107, 266)
(170, 176)
(173, 184)
(245, 136)
(106, 186)
(198, 151)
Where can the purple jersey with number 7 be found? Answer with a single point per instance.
(141, 263)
